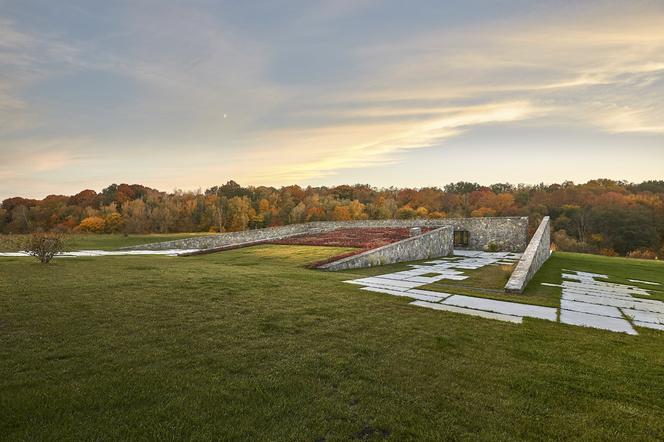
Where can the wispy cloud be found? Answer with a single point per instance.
(36, 155)
(334, 150)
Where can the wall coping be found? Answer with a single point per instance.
(524, 269)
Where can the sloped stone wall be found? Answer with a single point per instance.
(536, 254)
(231, 238)
(507, 233)
(433, 244)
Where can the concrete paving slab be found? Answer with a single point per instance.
(658, 308)
(644, 282)
(428, 298)
(401, 275)
(466, 253)
(392, 282)
(594, 309)
(377, 284)
(641, 316)
(508, 308)
(598, 294)
(468, 311)
(429, 293)
(595, 321)
(646, 325)
(426, 279)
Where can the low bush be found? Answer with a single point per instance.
(642, 254)
(566, 243)
(43, 246)
(608, 252)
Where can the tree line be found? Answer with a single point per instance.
(600, 216)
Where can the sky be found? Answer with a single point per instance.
(191, 94)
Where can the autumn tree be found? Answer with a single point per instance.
(92, 224)
(341, 213)
(113, 223)
(406, 212)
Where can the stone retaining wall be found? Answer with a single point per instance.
(433, 244)
(537, 252)
(231, 238)
(506, 233)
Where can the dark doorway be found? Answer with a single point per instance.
(461, 238)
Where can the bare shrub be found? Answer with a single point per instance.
(567, 243)
(642, 254)
(608, 252)
(44, 246)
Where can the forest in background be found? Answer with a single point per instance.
(601, 216)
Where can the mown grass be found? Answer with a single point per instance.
(111, 241)
(250, 345)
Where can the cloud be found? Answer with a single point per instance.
(38, 155)
(25, 59)
(333, 147)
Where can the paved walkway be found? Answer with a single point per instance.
(585, 301)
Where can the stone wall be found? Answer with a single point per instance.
(231, 238)
(433, 244)
(506, 233)
(537, 252)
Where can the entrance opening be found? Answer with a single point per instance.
(461, 238)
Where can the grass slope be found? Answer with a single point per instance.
(250, 345)
(103, 241)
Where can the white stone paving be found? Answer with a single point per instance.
(649, 325)
(507, 308)
(644, 282)
(468, 311)
(595, 309)
(586, 300)
(644, 316)
(421, 297)
(596, 321)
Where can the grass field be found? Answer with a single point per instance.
(250, 345)
(101, 242)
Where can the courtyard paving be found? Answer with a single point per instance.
(586, 300)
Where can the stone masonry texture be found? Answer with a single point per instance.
(433, 244)
(499, 233)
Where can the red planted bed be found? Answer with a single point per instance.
(365, 238)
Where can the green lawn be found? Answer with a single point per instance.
(250, 345)
(102, 241)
